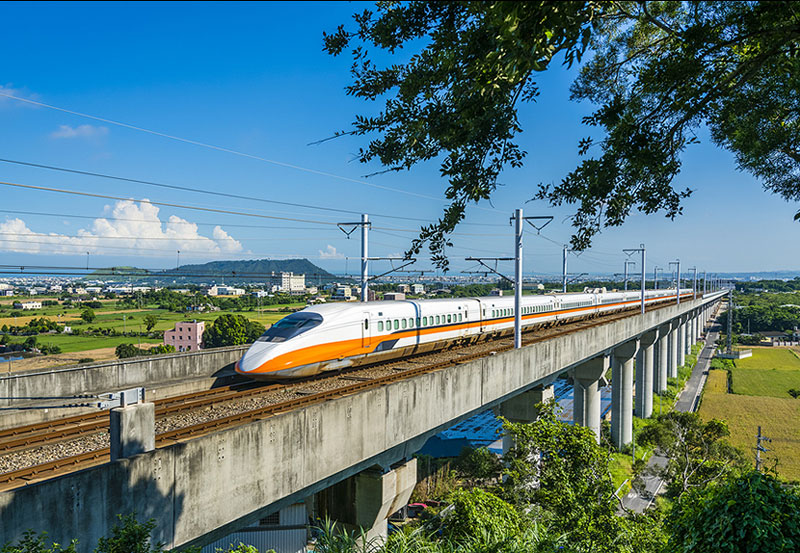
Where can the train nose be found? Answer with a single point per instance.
(255, 357)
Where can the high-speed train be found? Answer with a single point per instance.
(339, 335)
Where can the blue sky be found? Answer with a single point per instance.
(253, 78)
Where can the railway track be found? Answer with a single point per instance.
(94, 422)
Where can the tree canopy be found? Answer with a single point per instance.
(656, 72)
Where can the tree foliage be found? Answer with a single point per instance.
(696, 451)
(88, 315)
(658, 72)
(559, 474)
(36, 543)
(753, 513)
(150, 320)
(231, 330)
(477, 513)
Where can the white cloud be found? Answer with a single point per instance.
(130, 227)
(330, 253)
(81, 131)
(5, 101)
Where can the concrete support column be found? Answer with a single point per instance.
(673, 339)
(133, 430)
(680, 333)
(586, 393)
(365, 501)
(622, 390)
(687, 339)
(523, 408)
(662, 366)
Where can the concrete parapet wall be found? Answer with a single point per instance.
(161, 376)
(232, 477)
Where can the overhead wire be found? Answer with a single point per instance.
(201, 190)
(227, 150)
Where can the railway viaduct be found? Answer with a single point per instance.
(354, 453)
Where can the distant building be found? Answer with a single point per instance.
(289, 283)
(259, 294)
(6, 292)
(93, 290)
(4, 286)
(27, 305)
(417, 289)
(342, 293)
(222, 290)
(404, 288)
(396, 296)
(496, 292)
(186, 336)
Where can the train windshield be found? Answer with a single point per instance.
(291, 326)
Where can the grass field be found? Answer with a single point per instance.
(72, 344)
(769, 372)
(778, 418)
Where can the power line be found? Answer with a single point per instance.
(197, 190)
(226, 150)
(165, 204)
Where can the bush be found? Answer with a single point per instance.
(33, 543)
(85, 360)
(478, 464)
(477, 513)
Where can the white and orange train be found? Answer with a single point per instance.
(339, 335)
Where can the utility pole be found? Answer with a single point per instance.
(730, 322)
(564, 271)
(364, 224)
(625, 277)
(518, 225)
(655, 277)
(677, 264)
(630, 251)
(705, 279)
(518, 278)
(694, 282)
(760, 448)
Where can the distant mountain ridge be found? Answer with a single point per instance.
(258, 269)
(233, 271)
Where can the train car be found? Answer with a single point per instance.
(340, 335)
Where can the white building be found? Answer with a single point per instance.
(27, 305)
(289, 283)
(222, 290)
(417, 289)
(342, 293)
(389, 296)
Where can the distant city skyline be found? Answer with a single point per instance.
(252, 79)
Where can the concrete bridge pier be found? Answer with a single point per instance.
(681, 334)
(648, 371)
(673, 353)
(365, 501)
(622, 389)
(662, 368)
(523, 408)
(586, 394)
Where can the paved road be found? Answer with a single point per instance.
(687, 401)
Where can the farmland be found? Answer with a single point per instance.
(777, 416)
(769, 372)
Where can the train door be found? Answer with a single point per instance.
(365, 330)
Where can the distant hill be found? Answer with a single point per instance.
(244, 271)
(255, 270)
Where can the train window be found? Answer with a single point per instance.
(438, 319)
(410, 323)
(366, 324)
(389, 324)
(380, 326)
(459, 317)
(418, 322)
(291, 326)
(424, 321)
(396, 324)
(449, 318)
(404, 323)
